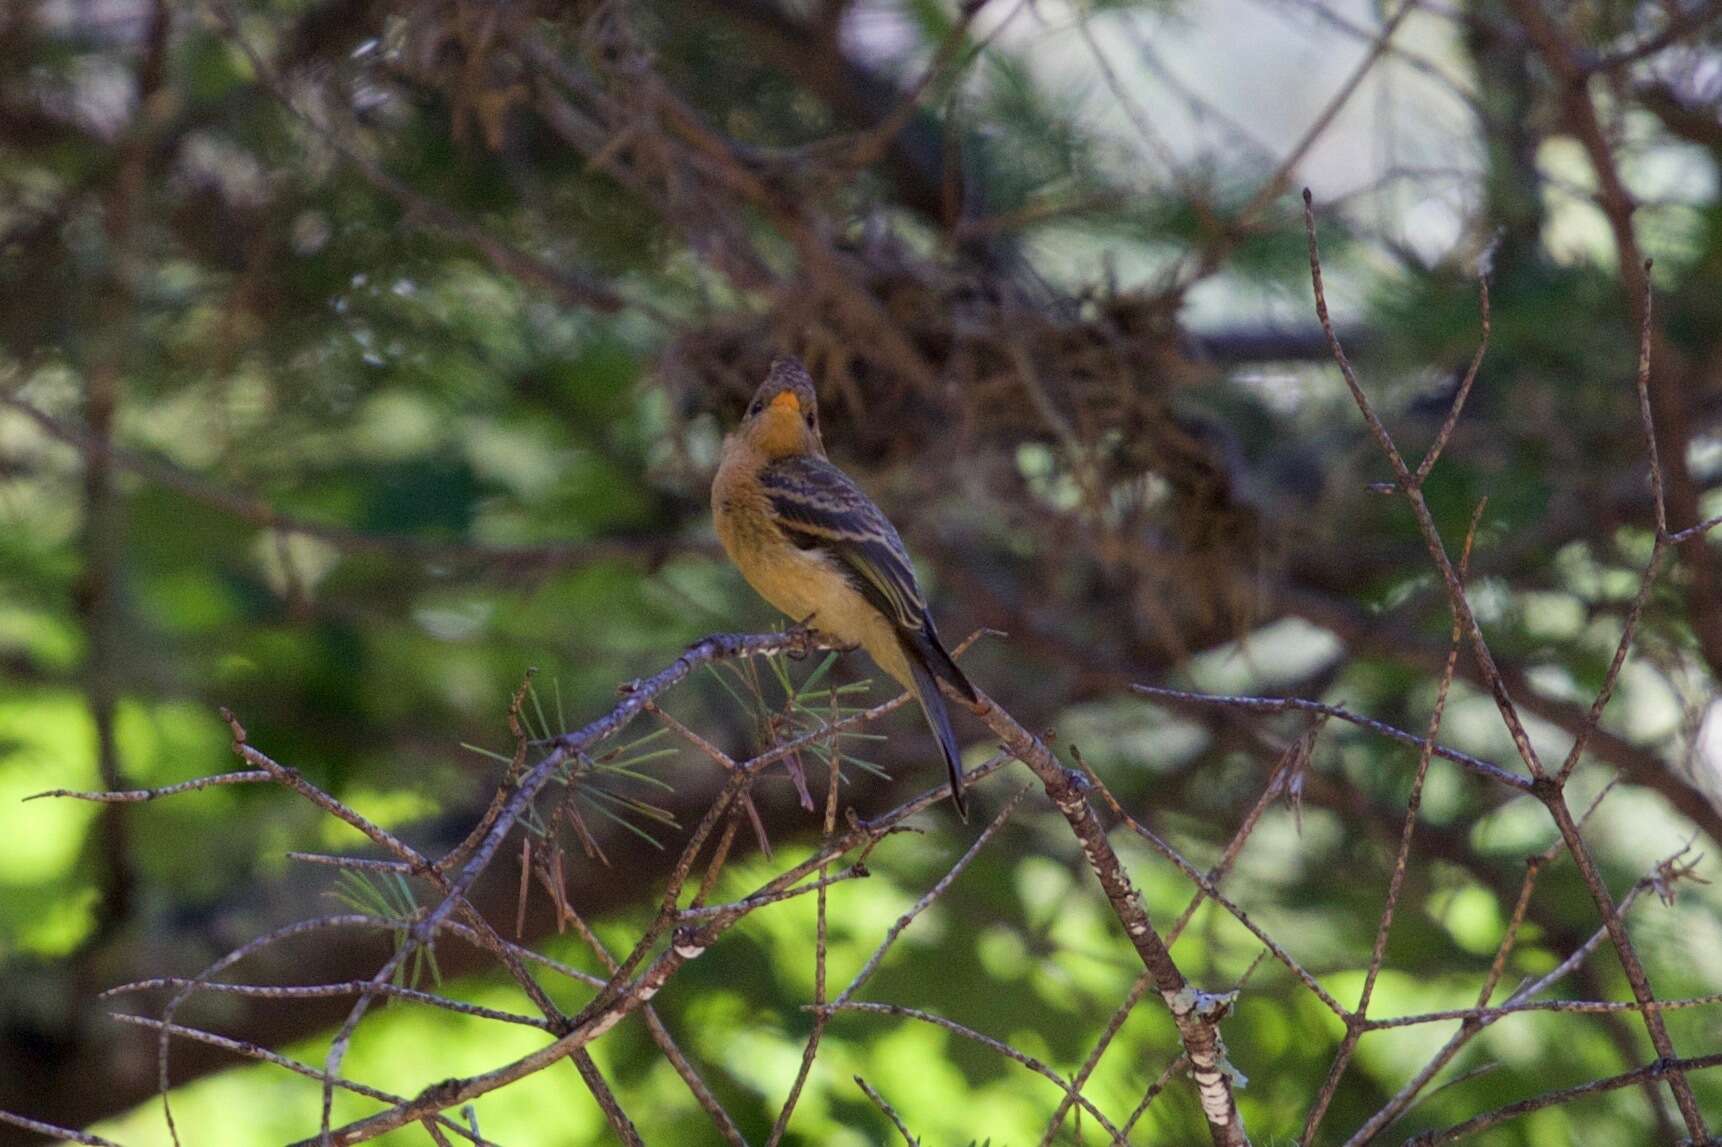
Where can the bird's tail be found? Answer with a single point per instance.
(942, 665)
(939, 717)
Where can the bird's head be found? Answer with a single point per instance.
(782, 420)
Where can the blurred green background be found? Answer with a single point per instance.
(358, 355)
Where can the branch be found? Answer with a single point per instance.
(1549, 789)
(1197, 1014)
(1662, 1069)
(571, 286)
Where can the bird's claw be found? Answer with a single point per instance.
(804, 637)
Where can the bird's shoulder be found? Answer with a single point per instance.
(813, 491)
(816, 477)
(818, 507)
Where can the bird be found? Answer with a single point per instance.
(816, 547)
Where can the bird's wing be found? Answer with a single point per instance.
(819, 508)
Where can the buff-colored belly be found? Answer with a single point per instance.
(806, 585)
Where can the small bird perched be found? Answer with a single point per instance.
(813, 545)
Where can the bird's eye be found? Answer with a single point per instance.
(810, 420)
(756, 407)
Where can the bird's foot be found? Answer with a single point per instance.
(810, 637)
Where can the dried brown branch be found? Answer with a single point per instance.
(661, 1036)
(821, 937)
(1197, 1014)
(1154, 1090)
(49, 1129)
(1207, 888)
(1356, 1023)
(1659, 549)
(1482, 1016)
(1580, 1007)
(610, 1006)
(263, 1054)
(868, 147)
(613, 1003)
(997, 1045)
(1138, 990)
(1288, 763)
(1679, 25)
(319, 991)
(571, 286)
(890, 1112)
(1340, 713)
(105, 369)
(1281, 179)
(944, 882)
(1660, 1070)
(1548, 789)
(606, 1099)
(1465, 384)
(136, 796)
(1672, 379)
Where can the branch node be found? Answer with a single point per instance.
(233, 725)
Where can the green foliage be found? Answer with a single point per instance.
(366, 476)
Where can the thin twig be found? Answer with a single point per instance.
(890, 1112)
(1464, 391)
(926, 901)
(1339, 713)
(576, 288)
(55, 1132)
(1659, 549)
(1661, 1069)
(988, 1041)
(821, 935)
(1154, 1090)
(1548, 789)
(1356, 1024)
(258, 1052)
(133, 796)
(327, 991)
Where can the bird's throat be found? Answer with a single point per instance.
(780, 433)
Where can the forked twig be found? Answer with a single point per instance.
(1547, 787)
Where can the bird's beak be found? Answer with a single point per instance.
(787, 401)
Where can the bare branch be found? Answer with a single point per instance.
(1340, 713)
(890, 1112)
(134, 796)
(49, 1129)
(1661, 1069)
(997, 1045)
